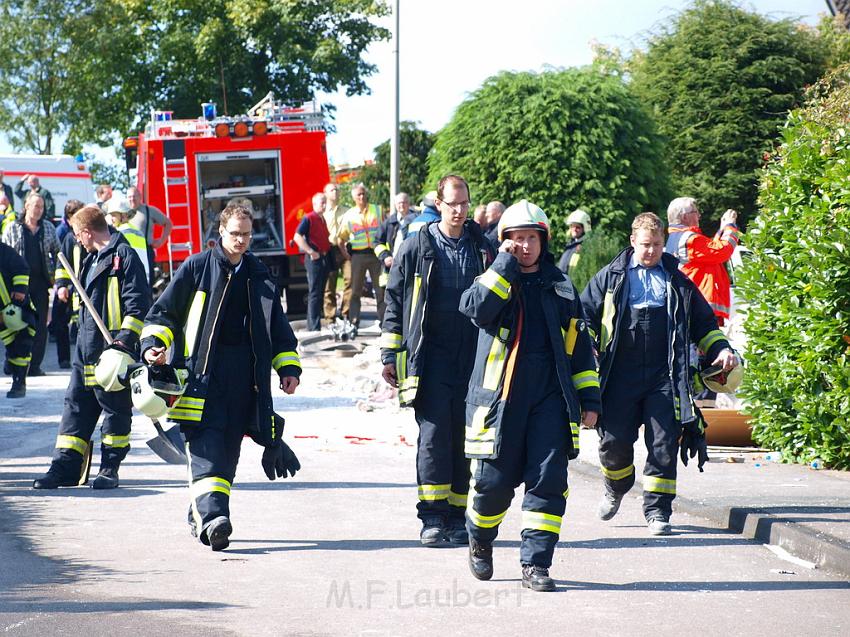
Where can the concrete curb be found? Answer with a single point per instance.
(825, 551)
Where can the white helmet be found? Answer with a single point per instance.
(111, 368)
(155, 388)
(722, 382)
(523, 214)
(581, 218)
(13, 318)
(117, 204)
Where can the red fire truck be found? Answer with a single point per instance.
(273, 160)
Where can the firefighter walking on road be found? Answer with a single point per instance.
(644, 313)
(428, 349)
(222, 320)
(534, 381)
(115, 281)
(18, 320)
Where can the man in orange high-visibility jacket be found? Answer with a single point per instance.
(700, 257)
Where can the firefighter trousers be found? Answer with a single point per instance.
(85, 400)
(535, 439)
(639, 392)
(18, 349)
(213, 445)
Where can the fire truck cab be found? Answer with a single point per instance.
(272, 160)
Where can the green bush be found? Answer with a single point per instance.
(797, 285)
(597, 251)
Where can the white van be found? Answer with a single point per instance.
(64, 176)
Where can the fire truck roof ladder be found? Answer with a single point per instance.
(176, 182)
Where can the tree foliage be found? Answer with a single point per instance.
(720, 81)
(414, 146)
(563, 139)
(797, 285)
(597, 251)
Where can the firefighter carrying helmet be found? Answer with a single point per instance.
(155, 388)
(523, 214)
(110, 372)
(13, 318)
(715, 379)
(581, 218)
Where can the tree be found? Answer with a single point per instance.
(563, 139)
(797, 286)
(414, 146)
(720, 81)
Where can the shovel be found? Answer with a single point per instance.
(168, 445)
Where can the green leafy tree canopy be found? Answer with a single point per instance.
(414, 146)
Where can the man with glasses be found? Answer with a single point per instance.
(428, 351)
(222, 320)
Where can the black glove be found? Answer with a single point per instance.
(280, 459)
(693, 442)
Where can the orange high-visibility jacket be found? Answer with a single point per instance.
(702, 260)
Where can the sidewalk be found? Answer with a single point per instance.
(804, 511)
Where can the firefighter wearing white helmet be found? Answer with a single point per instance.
(534, 372)
(115, 281)
(17, 318)
(578, 226)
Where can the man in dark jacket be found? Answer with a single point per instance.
(428, 349)
(578, 225)
(644, 314)
(115, 281)
(534, 373)
(392, 232)
(17, 318)
(222, 319)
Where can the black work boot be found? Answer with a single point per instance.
(537, 578)
(433, 532)
(53, 480)
(480, 560)
(19, 383)
(107, 478)
(609, 505)
(456, 532)
(217, 533)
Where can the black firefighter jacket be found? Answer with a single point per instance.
(15, 277)
(690, 319)
(494, 304)
(185, 318)
(403, 330)
(115, 281)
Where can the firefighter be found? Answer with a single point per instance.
(18, 319)
(392, 232)
(534, 381)
(428, 349)
(222, 320)
(578, 223)
(115, 281)
(644, 312)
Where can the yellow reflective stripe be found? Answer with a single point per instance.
(132, 324)
(574, 257)
(185, 414)
(497, 284)
(193, 321)
(485, 521)
(655, 484)
(20, 361)
(607, 326)
(110, 440)
(72, 442)
(390, 340)
(572, 335)
(209, 485)
(574, 432)
(190, 403)
(495, 364)
(5, 299)
(458, 499)
(20, 279)
(541, 521)
(618, 474)
(113, 305)
(414, 297)
(710, 339)
(161, 332)
(380, 249)
(586, 379)
(61, 273)
(286, 358)
(567, 493)
(433, 492)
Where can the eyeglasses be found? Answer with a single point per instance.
(457, 207)
(239, 235)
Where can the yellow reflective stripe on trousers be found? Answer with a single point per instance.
(618, 474)
(209, 485)
(607, 324)
(88, 376)
(286, 358)
(161, 332)
(586, 379)
(193, 321)
(710, 339)
(20, 279)
(496, 283)
(458, 499)
(484, 521)
(654, 484)
(390, 340)
(434, 492)
(541, 521)
(72, 442)
(480, 439)
(20, 361)
(110, 440)
(113, 305)
(132, 324)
